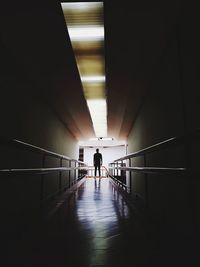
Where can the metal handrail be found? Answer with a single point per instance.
(117, 165)
(73, 176)
(107, 172)
(39, 170)
(89, 168)
(119, 182)
(149, 149)
(160, 145)
(153, 170)
(37, 149)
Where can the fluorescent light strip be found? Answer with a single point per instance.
(87, 33)
(79, 35)
(93, 78)
(98, 112)
(101, 139)
(82, 6)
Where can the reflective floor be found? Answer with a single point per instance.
(94, 228)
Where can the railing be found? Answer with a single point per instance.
(90, 171)
(75, 172)
(118, 169)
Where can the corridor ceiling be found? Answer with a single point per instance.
(135, 34)
(135, 38)
(85, 25)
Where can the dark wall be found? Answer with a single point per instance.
(32, 71)
(171, 109)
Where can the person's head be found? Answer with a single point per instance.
(97, 150)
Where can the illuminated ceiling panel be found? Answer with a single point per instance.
(84, 22)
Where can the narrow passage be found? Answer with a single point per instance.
(94, 228)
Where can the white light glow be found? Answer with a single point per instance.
(84, 21)
(94, 139)
(107, 139)
(97, 142)
(87, 33)
(98, 112)
(81, 6)
(101, 139)
(93, 78)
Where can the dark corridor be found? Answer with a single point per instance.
(152, 89)
(95, 227)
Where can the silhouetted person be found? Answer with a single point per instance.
(97, 162)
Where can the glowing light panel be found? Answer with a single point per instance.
(98, 111)
(93, 78)
(84, 21)
(89, 34)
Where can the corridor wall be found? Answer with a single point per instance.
(170, 108)
(29, 81)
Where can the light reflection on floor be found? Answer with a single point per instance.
(101, 213)
(93, 228)
(97, 203)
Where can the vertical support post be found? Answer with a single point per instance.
(60, 176)
(121, 171)
(70, 165)
(146, 184)
(78, 171)
(42, 183)
(130, 177)
(118, 169)
(112, 170)
(74, 172)
(123, 177)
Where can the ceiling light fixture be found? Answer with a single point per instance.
(98, 111)
(87, 34)
(81, 6)
(84, 21)
(93, 78)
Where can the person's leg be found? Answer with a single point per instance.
(95, 170)
(99, 168)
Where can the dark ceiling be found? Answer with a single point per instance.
(135, 38)
(136, 35)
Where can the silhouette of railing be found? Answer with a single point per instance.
(91, 171)
(118, 169)
(75, 172)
